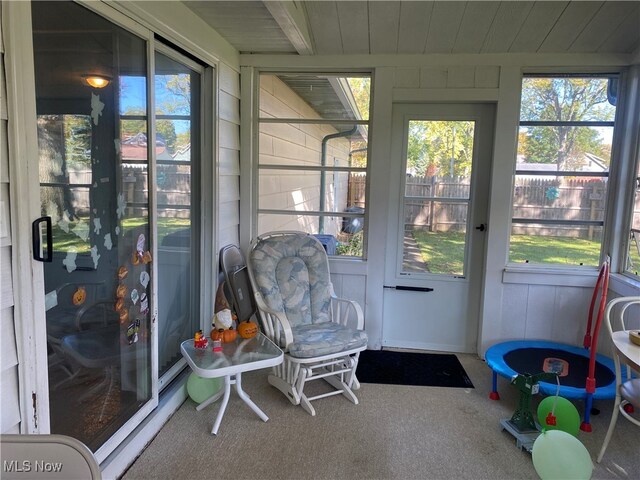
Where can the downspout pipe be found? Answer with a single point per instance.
(323, 174)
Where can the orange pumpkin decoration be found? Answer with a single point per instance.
(79, 296)
(226, 336)
(247, 329)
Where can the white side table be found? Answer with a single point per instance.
(242, 355)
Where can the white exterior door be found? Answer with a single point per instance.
(437, 225)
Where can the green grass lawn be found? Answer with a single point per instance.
(63, 241)
(444, 251)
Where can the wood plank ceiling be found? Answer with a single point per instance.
(405, 27)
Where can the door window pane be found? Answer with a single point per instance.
(177, 90)
(94, 186)
(437, 193)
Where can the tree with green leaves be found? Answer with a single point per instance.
(563, 100)
(443, 148)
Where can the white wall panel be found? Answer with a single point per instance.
(540, 312)
(433, 77)
(408, 77)
(514, 309)
(461, 77)
(487, 77)
(9, 400)
(8, 353)
(570, 314)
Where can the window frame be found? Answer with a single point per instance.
(513, 269)
(258, 120)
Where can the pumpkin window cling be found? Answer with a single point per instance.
(79, 296)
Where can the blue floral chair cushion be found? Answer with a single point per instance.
(323, 339)
(292, 274)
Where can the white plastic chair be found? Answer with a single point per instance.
(299, 311)
(628, 392)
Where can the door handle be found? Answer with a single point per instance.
(482, 227)
(36, 238)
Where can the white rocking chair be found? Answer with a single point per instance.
(300, 312)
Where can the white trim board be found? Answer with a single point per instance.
(406, 60)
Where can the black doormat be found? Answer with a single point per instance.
(409, 368)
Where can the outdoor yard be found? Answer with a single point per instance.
(443, 252)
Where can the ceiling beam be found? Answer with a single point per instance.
(292, 19)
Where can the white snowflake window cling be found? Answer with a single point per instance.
(96, 108)
(70, 260)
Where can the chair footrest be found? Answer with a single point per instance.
(328, 374)
(328, 394)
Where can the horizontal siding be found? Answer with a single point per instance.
(8, 352)
(5, 224)
(9, 391)
(294, 144)
(229, 80)
(9, 400)
(229, 108)
(4, 153)
(6, 282)
(229, 162)
(229, 156)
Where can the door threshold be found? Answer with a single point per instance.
(119, 461)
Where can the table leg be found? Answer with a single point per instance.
(246, 399)
(223, 405)
(210, 400)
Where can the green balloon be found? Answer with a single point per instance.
(200, 389)
(558, 455)
(567, 416)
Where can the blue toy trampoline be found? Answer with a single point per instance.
(582, 373)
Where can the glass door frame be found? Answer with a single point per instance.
(32, 382)
(109, 14)
(175, 370)
(399, 275)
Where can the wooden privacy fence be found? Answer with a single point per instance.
(570, 199)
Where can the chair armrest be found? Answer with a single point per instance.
(274, 324)
(340, 308)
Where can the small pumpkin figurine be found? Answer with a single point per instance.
(229, 335)
(225, 336)
(247, 329)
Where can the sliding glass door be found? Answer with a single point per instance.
(118, 118)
